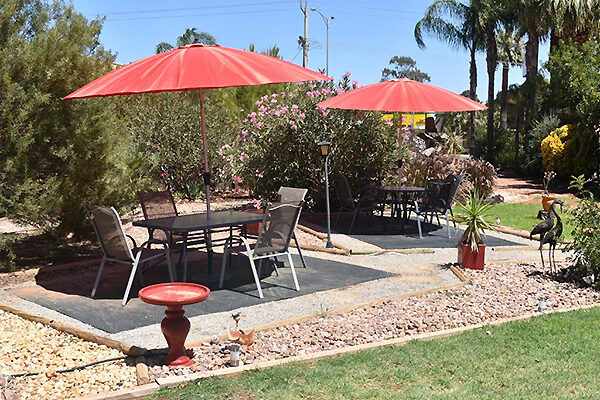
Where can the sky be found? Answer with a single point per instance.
(363, 36)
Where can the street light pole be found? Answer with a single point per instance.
(324, 146)
(326, 20)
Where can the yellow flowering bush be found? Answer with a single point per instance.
(556, 148)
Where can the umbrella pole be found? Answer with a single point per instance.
(206, 174)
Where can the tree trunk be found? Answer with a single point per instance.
(473, 95)
(531, 53)
(531, 64)
(492, 61)
(504, 97)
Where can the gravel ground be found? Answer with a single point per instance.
(27, 346)
(501, 291)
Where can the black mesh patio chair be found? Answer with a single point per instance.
(293, 196)
(277, 228)
(346, 201)
(438, 200)
(161, 204)
(113, 240)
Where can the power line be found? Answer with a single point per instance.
(167, 10)
(197, 15)
(355, 6)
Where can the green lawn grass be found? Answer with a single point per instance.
(547, 357)
(524, 216)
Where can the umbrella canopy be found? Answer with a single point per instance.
(196, 67)
(402, 95)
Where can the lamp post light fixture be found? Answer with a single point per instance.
(324, 147)
(326, 20)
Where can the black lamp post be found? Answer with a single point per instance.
(324, 147)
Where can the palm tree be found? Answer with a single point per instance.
(189, 36)
(510, 53)
(458, 25)
(575, 20)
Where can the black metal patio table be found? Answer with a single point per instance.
(185, 224)
(401, 195)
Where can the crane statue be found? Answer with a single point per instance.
(549, 232)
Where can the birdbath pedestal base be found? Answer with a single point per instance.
(175, 326)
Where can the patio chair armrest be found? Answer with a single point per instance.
(135, 246)
(149, 242)
(243, 240)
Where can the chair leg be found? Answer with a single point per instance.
(289, 256)
(169, 265)
(131, 276)
(141, 273)
(452, 214)
(98, 276)
(275, 262)
(418, 214)
(226, 254)
(448, 225)
(299, 250)
(256, 280)
(353, 221)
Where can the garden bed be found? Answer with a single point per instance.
(500, 291)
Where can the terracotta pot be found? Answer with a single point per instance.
(547, 201)
(470, 259)
(253, 229)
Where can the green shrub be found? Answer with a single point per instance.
(278, 143)
(56, 155)
(166, 128)
(7, 255)
(585, 246)
(479, 175)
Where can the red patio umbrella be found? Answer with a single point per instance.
(402, 95)
(196, 67)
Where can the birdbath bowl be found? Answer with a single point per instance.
(175, 326)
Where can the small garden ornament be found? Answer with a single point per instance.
(237, 335)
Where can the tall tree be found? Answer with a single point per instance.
(190, 36)
(510, 53)
(574, 20)
(56, 156)
(404, 67)
(459, 25)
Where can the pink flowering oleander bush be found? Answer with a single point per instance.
(478, 175)
(277, 144)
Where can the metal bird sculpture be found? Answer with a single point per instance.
(552, 237)
(545, 227)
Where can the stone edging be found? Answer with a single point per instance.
(160, 383)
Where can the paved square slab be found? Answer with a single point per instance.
(69, 294)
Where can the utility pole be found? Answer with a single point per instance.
(304, 42)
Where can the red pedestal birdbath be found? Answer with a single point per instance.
(175, 326)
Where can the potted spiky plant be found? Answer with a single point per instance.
(474, 214)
